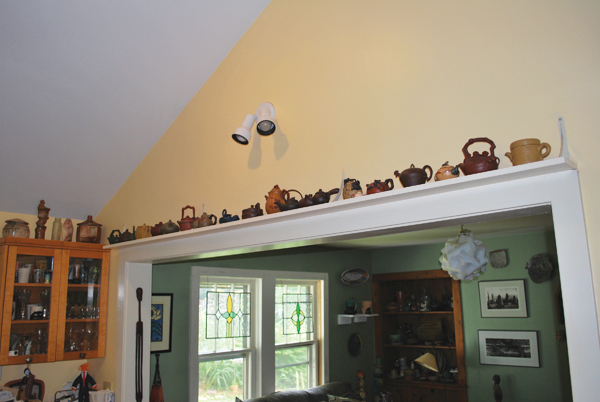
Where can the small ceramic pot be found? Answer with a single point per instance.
(16, 228)
(169, 227)
(205, 220)
(251, 212)
(155, 231)
(228, 217)
(527, 151)
(446, 172)
(414, 176)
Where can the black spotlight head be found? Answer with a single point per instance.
(265, 127)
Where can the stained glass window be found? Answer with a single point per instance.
(227, 315)
(297, 313)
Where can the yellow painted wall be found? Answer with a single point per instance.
(368, 87)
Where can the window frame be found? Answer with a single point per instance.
(262, 344)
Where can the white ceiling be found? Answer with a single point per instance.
(88, 87)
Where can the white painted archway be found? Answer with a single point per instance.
(550, 185)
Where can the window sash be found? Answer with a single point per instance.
(262, 358)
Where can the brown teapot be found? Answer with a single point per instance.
(477, 163)
(322, 197)
(276, 194)
(380, 186)
(291, 203)
(205, 220)
(187, 222)
(351, 189)
(306, 201)
(251, 212)
(414, 175)
(155, 231)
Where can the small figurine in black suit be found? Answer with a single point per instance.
(85, 383)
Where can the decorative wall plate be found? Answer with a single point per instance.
(498, 258)
(540, 268)
(355, 277)
(355, 344)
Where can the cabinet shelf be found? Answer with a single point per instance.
(84, 286)
(82, 320)
(33, 285)
(416, 312)
(344, 319)
(26, 322)
(390, 345)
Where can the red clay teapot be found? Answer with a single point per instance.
(380, 186)
(414, 175)
(187, 223)
(477, 163)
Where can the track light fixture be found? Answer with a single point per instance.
(265, 114)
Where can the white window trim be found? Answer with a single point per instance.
(265, 356)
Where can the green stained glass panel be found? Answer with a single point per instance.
(227, 315)
(297, 313)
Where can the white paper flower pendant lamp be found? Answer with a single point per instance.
(464, 257)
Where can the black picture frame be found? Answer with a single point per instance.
(509, 348)
(161, 323)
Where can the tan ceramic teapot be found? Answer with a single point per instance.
(275, 195)
(527, 151)
(205, 220)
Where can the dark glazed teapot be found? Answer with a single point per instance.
(127, 236)
(306, 201)
(380, 186)
(228, 217)
(477, 163)
(251, 212)
(114, 238)
(290, 203)
(322, 197)
(413, 175)
(169, 227)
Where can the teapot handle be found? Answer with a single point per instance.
(390, 183)
(288, 194)
(478, 139)
(189, 207)
(430, 171)
(113, 232)
(214, 221)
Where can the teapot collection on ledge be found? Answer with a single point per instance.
(280, 200)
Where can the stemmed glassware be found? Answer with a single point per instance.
(23, 296)
(45, 299)
(40, 341)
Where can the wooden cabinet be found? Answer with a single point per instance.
(440, 287)
(57, 311)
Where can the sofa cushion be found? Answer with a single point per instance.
(316, 394)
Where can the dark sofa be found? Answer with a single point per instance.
(316, 394)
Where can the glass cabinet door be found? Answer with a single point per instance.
(82, 305)
(30, 304)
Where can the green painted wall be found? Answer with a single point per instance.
(550, 382)
(174, 278)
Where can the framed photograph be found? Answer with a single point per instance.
(161, 322)
(503, 299)
(509, 348)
